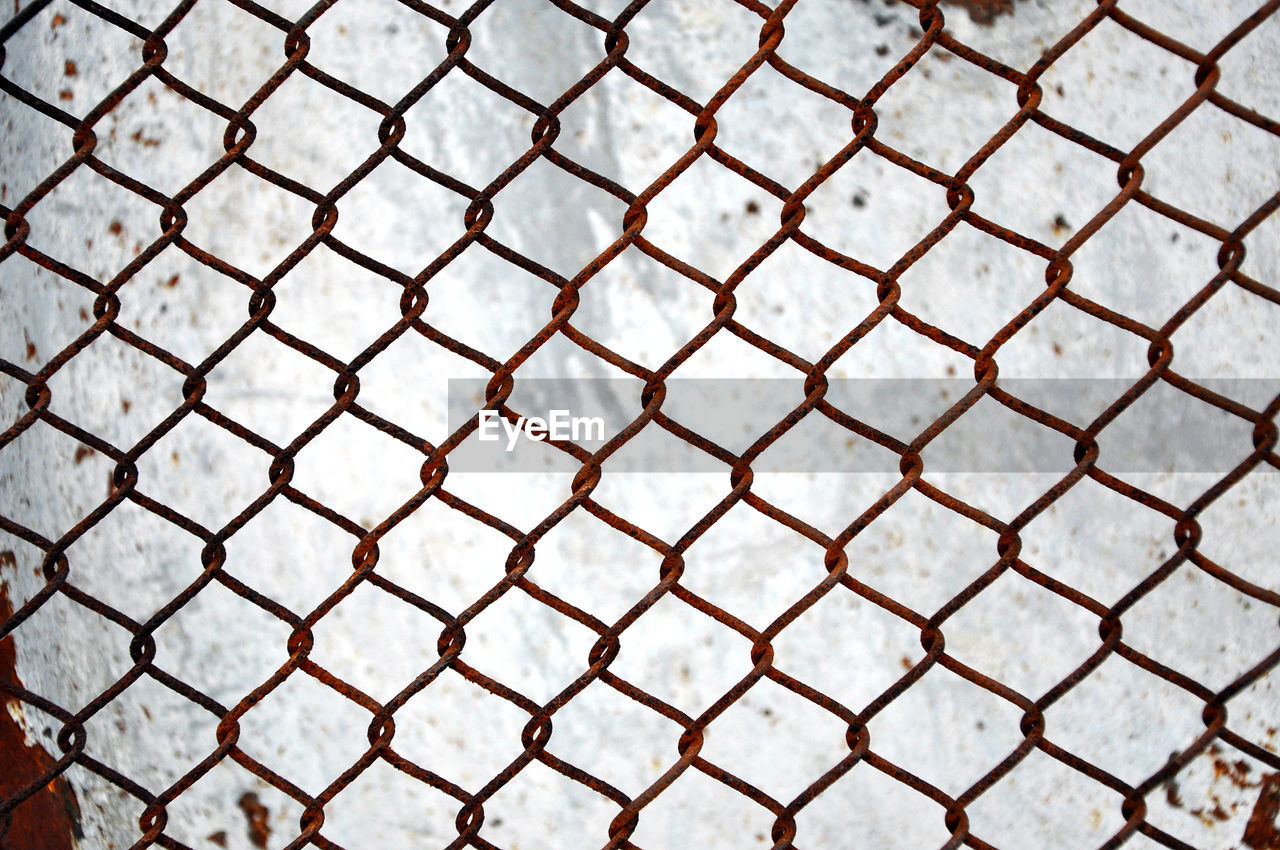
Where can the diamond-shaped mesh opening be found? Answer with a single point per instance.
(1053, 198)
(1122, 687)
(915, 569)
(817, 127)
(62, 33)
(912, 732)
(148, 707)
(459, 731)
(589, 565)
(117, 224)
(1227, 187)
(1094, 108)
(161, 138)
(514, 40)
(116, 391)
(231, 670)
(542, 808)
(671, 821)
(1040, 617)
(657, 132)
(612, 736)
(41, 453)
(340, 636)
(301, 389)
(796, 741)
(1174, 622)
(1054, 347)
(404, 46)
(682, 656)
(745, 581)
(284, 223)
(667, 32)
(700, 201)
(183, 307)
(943, 124)
(178, 470)
(295, 128)
(417, 811)
(1071, 807)
(558, 660)
(315, 714)
(326, 300)
(320, 470)
(467, 130)
(164, 557)
(545, 192)
(626, 308)
(402, 219)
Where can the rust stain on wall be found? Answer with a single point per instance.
(50, 818)
(984, 11)
(257, 817)
(1263, 832)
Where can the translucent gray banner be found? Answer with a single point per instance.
(1166, 430)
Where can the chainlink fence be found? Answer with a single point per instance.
(1008, 739)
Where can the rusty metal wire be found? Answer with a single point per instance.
(60, 574)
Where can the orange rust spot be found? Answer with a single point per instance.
(983, 11)
(58, 20)
(66, 94)
(49, 819)
(171, 282)
(145, 141)
(257, 816)
(1237, 772)
(69, 68)
(82, 452)
(115, 228)
(1262, 832)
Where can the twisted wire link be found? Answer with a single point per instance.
(537, 740)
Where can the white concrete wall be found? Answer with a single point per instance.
(945, 729)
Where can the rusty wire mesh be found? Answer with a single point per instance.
(32, 795)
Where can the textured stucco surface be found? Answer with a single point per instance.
(945, 729)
